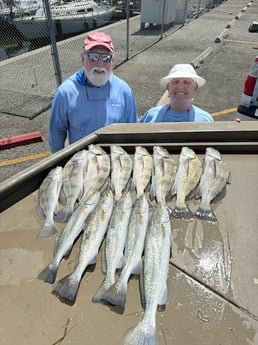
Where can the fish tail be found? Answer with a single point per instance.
(97, 298)
(181, 213)
(47, 231)
(142, 334)
(206, 214)
(115, 295)
(48, 275)
(66, 289)
(63, 215)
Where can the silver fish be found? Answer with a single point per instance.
(142, 168)
(69, 234)
(94, 231)
(72, 187)
(98, 169)
(48, 195)
(116, 294)
(121, 169)
(153, 281)
(114, 243)
(186, 180)
(163, 174)
(212, 185)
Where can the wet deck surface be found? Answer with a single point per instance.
(212, 284)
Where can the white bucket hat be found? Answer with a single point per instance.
(182, 71)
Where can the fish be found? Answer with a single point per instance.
(93, 234)
(115, 243)
(134, 245)
(71, 231)
(186, 180)
(121, 169)
(72, 186)
(212, 187)
(163, 174)
(48, 195)
(153, 279)
(98, 169)
(142, 169)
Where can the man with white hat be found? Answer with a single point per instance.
(181, 83)
(91, 98)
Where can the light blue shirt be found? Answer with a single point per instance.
(162, 113)
(78, 108)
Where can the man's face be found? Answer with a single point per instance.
(97, 68)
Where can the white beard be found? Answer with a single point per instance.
(97, 79)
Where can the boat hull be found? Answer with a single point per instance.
(33, 28)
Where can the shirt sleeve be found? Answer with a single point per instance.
(58, 122)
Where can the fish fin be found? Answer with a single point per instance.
(206, 214)
(221, 195)
(97, 298)
(66, 289)
(181, 213)
(63, 215)
(40, 212)
(142, 296)
(194, 194)
(47, 231)
(138, 268)
(62, 197)
(163, 297)
(115, 295)
(143, 333)
(229, 178)
(48, 274)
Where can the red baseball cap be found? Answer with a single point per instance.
(96, 38)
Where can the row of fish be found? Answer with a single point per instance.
(136, 240)
(159, 174)
(136, 233)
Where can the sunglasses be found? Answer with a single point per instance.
(95, 57)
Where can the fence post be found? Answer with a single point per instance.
(55, 57)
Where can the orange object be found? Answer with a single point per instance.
(18, 140)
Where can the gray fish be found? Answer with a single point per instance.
(142, 168)
(69, 234)
(72, 187)
(163, 174)
(94, 231)
(212, 185)
(186, 180)
(121, 169)
(153, 282)
(98, 169)
(116, 294)
(48, 195)
(114, 243)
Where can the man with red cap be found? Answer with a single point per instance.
(91, 98)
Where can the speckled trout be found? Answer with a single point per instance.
(137, 227)
(153, 282)
(48, 196)
(93, 234)
(212, 187)
(69, 234)
(186, 180)
(121, 169)
(114, 243)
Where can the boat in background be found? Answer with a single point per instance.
(69, 19)
(15, 8)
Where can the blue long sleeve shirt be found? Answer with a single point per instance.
(78, 108)
(162, 113)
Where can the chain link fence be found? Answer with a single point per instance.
(40, 42)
